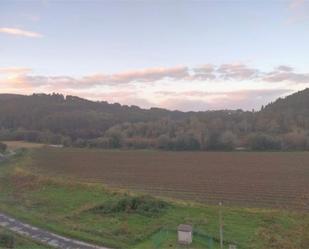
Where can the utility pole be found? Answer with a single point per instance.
(220, 225)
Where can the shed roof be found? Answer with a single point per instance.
(185, 228)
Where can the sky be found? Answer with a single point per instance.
(174, 54)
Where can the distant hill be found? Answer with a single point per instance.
(75, 121)
(289, 113)
(297, 103)
(68, 115)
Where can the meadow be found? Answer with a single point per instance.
(93, 212)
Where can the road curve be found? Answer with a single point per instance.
(43, 236)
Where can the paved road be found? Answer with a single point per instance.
(43, 236)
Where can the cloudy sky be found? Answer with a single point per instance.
(185, 55)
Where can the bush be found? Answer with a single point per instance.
(7, 241)
(115, 138)
(3, 147)
(144, 205)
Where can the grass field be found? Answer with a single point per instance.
(271, 179)
(64, 206)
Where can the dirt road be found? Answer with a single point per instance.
(43, 236)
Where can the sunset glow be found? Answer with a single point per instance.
(191, 58)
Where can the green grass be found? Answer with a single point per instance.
(65, 207)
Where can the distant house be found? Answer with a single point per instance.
(184, 234)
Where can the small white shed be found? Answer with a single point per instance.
(232, 246)
(184, 234)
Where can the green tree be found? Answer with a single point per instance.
(227, 140)
(264, 142)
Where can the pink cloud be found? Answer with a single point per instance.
(14, 70)
(206, 68)
(237, 71)
(286, 73)
(127, 77)
(20, 32)
(225, 72)
(150, 74)
(143, 75)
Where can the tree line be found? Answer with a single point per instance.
(73, 121)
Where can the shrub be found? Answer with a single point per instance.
(3, 147)
(7, 241)
(144, 205)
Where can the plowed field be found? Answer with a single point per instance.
(270, 179)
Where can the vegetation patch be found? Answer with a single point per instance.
(24, 182)
(7, 240)
(3, 147)
(10, 240)
(143, 205)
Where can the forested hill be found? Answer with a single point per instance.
(286, 114)
(296, 104)
(74, 121)
(70, 114)
(49, 105)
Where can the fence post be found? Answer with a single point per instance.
(220, 225)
